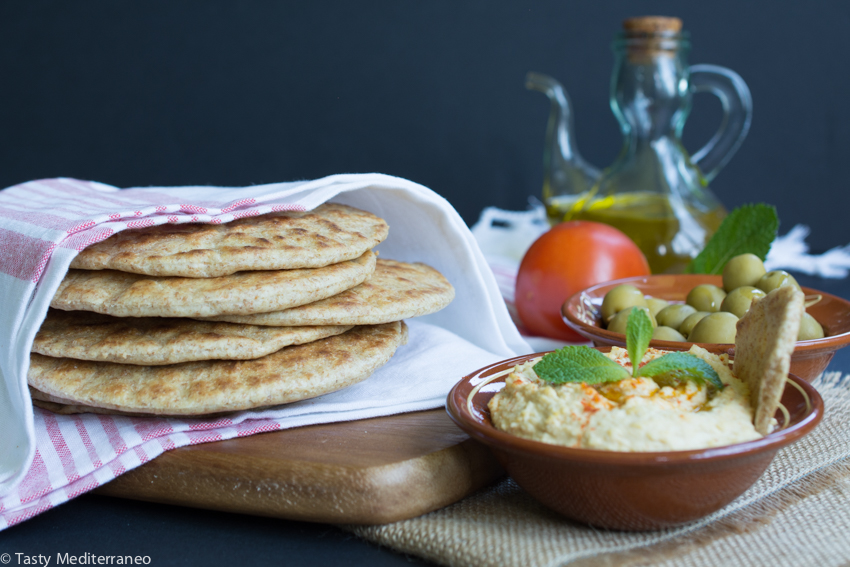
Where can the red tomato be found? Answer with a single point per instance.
(570, 257)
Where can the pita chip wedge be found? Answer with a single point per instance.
(155, 341)
(214, 386)
(123, 294)
(397, 290)
(329, 234)
(765, 340)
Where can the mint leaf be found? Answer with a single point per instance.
(583, 364)
(579, 364)
(749, 228)
(681, 365)
(638, 335)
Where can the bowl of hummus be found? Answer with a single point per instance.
(643, 451)
(617, 476)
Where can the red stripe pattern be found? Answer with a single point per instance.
(73, 214)
(90, 450)
(28, 266)
(77, 453)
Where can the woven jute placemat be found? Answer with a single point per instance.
(798, 513)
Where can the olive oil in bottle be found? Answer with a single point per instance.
(669, 238)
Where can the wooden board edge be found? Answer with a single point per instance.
(312, 492)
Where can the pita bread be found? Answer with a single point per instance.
(64, 407)
(132, 295)
(397, 290)
(156, 341)
(763, 345)
(199, 388)
(329, 234)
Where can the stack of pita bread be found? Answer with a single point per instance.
(198, 319)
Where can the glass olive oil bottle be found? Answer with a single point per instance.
(655, 191)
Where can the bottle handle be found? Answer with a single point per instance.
(737, 103)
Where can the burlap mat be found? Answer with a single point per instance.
(798, 513)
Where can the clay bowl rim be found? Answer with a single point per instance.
(594, 332)
(482, 429)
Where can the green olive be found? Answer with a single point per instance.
(673, 315)
(738, 300)
(745, 269)
(690, 322)
(706, 297)
(664, 333)
(619, 298)
(655, 305)
(717, 327)
(618, 323)
(809, 328)
(774, 279)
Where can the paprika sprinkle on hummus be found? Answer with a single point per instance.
(644, 399)
(633, 414)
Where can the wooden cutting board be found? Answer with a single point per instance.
(372, 471)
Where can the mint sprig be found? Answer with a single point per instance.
(681, 365)
(638, 335)
(749, 228)
(578, 364)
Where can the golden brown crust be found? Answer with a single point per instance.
(124, 294)
(157, 341)
(329, 234)
(66, 407)
(395, 291)
(198, 388)
(763, 345)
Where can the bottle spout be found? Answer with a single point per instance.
(543, 83)
(565, 172)
(560, 128)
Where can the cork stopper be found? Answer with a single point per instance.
(653, 25)
(650, 37)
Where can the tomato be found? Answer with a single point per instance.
(568, 258)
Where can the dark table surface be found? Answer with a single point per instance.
(172, 535)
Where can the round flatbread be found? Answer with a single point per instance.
(154, 341)
(329, 234)
(397, 290)
(64, 407)
(213, 386)
(123, 294)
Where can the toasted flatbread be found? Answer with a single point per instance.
(329, 234)
(123, 294)
(65, 407)
(154, 341)
(200, 388)
(397, 290)
(763, 345)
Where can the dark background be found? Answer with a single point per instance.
(241, 92)
(245, 92)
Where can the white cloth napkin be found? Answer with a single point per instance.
(45, 459)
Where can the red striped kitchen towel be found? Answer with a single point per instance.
(46, 459)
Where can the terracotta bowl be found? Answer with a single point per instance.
(621, 490)
(582, 313)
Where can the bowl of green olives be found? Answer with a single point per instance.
(704, 309)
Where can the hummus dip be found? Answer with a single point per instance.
(635, 414)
